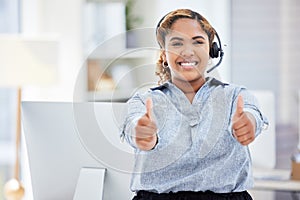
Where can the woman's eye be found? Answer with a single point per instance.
(176, 44)
(198, 42)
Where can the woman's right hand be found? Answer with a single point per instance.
(145, 130)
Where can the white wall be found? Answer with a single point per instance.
(266, 51)
(64, 20)
(289, 66)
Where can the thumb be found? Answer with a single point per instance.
(149, 106)
(239, 106)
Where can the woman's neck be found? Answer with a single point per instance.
(188, 87)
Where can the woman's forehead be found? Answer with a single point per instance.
(187, 28)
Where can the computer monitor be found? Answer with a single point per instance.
(62, 138)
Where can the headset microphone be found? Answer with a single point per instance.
(215, 52)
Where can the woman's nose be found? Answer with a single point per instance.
(187, 51)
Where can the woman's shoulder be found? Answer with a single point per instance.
(232, 90)
(146, 93)
(216, 83)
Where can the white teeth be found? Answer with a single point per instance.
(188, 63)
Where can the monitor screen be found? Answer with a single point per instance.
(62, 138)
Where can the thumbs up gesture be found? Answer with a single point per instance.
(146, 129)
(243, 124)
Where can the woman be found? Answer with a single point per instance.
(190, 134)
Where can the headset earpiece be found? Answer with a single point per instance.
(214, 50)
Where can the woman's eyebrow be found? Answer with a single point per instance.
(193, 38)
(176, 38)
(198, 37)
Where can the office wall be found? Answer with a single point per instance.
(265, 51)
(61, 19)
(289, 65)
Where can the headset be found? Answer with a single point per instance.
(215, 51)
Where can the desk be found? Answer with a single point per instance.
(275, 180)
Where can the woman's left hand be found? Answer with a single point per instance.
(243, 124)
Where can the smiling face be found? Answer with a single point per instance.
(187, 51)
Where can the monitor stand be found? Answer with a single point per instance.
(90, 184)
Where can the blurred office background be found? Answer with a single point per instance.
(260, 41)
